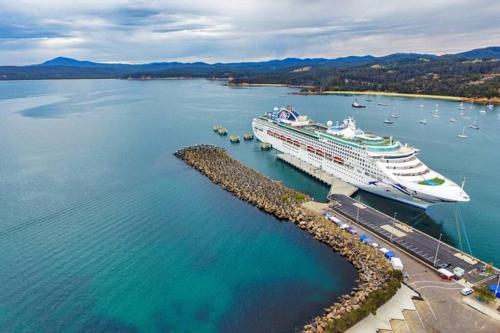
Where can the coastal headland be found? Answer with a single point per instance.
(377, 281)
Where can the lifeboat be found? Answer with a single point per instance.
(338, 159)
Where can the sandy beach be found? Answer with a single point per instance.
(478, 100)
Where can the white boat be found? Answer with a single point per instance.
(355, 104)
(423, 122)
(482, 111)
(462, 135)
(377, 164)
(453, 120)
(389, 121)
(474, 124)
(461, 107)
(490, 106)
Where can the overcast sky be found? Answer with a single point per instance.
(32, 31)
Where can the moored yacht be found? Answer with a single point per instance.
(377, 164)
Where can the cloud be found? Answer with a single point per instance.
(222, 30)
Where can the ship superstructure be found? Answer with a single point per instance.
(381, 165)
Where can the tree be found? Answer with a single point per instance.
(483, 293)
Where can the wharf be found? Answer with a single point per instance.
(412, 241)
(337, 186)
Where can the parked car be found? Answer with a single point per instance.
(351, 230)
(375, 245)
(444, 265)
(466, 291)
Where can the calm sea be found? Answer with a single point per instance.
(102, 229)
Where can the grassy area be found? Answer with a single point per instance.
(376, 299)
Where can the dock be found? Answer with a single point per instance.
(427, 249)
(424, 248)
(337, 186)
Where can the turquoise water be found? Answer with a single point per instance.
(102, 229)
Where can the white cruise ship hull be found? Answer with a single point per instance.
(353, 177)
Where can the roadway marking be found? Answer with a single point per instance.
(431, 281)
(430, 308)
(438, 287)
(393, 231)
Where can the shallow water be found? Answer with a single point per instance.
(102, 229)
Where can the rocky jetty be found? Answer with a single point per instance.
(377, 282)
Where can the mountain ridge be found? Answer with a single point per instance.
(470, 73)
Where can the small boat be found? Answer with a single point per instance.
(222, 131)
(461, 107)
(382, 104)
(453, 120)
(423, 122)
(248, 136)
(474, 124)
(490, 106)
(394, 115)
(265, 146)
(483, 111)
(389, 121)
(462, 135)
(216, 128)
(355, 104)
(234, 138)
(368, 100)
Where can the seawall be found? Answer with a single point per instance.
(377, 282)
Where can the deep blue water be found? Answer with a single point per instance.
(102, 229)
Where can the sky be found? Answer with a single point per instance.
(32, 31)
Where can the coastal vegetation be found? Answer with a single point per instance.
(377, 281)
(483, 293)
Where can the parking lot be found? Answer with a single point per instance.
(441, 308)
(420, 245)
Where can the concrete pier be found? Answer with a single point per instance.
(338, 186)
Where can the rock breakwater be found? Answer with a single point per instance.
(377, 282)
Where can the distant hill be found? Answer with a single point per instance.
(471, 73)
(492, 52)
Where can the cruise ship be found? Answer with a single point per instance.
(376, 164)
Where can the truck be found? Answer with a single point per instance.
(396, 263)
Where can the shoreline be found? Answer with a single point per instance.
(477, 100)
(282, 85)
(377, 282)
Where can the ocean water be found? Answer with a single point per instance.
(102, 229)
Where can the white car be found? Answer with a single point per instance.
(466, 291)
(375, 245)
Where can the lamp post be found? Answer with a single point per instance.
(437, 249)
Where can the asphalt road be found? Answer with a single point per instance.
(415, 242)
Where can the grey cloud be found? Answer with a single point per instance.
(218, 30)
